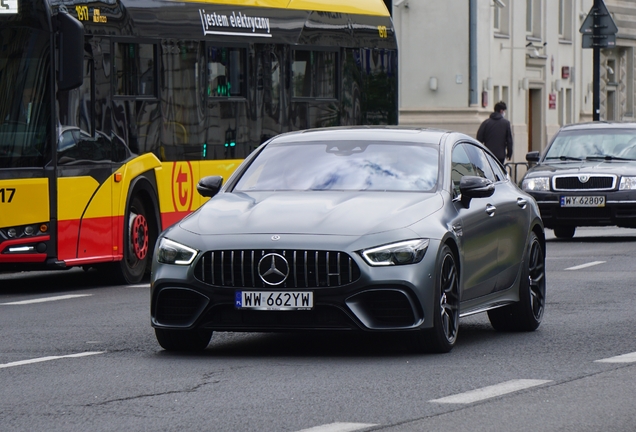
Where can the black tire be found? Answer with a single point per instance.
(139, 240)
(442, 337)
(183, 340)
(564, 232)
(525, 315)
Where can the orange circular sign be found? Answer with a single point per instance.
(182, 186)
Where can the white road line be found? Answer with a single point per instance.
(139, 286)
(625, 358)
(491, 391)
(339, 427)
(582, 266)
(46, 299)
(43, 359)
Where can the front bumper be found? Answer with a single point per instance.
(383, 298)
(619, 210)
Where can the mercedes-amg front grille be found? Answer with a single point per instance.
(266, 269)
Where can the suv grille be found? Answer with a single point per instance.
(575, 182)
(307, 268)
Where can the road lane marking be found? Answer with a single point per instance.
(339, 427)
(582, 266)
(49, 358)
(625, 358)
(46, 299)
(145, 285)
(491, 391)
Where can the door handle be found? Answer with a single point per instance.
(522, 202)
(490, 209)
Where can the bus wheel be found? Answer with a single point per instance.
(137, 244)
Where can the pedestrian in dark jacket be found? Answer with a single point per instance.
(495, 133)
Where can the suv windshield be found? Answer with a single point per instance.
(593, 144)
(24, 105)
(353, 166)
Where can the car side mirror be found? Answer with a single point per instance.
(209, 186)
(475, 187)
(532, 157)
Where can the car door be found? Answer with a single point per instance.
(513, 217)
(477, 229)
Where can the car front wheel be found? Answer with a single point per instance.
(564, 232)
(441, 338)
(525, 315)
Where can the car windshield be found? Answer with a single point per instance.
(348, 166)
(586, 144)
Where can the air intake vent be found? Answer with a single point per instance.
(304, 268)
(178, 306)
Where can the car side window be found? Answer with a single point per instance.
(480, 162)
(500, 174)
(461, 166)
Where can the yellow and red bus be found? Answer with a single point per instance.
(111, 110)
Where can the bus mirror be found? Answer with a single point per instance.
(71, 56)
(209, 186)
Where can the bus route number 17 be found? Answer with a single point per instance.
(6, 195)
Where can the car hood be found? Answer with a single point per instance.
(324, 212)
(584, 167)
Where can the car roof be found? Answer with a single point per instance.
(599, 125)
(366, 133)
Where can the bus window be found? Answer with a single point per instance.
(301, 74)
(135, 69)
(314, 74)
(226, 71)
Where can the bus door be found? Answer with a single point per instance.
(84, 159)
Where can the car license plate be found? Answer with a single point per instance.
(582, 201)
(274, 300)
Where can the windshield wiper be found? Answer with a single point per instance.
(564, 158)
(607, 158)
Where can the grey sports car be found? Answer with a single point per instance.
(363, 229)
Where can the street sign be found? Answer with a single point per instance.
(599, 31)
(606, 24)
(600, 41)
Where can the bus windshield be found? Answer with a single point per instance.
(24, 107)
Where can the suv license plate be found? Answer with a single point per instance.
(274, 300)
(582, 201)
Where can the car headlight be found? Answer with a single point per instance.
(627, 183)
(405, 252)
(536, 184)
(170, 252)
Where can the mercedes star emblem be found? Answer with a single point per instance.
(273, 269)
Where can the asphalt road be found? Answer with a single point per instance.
(76, 354)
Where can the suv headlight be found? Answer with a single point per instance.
(171, 252)
(627, 183)
(405, 252)
(536, 184)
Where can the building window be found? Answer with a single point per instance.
(533, 19)
(565, 19)
(502, 19)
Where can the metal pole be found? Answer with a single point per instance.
(473, 98)
(596, 75)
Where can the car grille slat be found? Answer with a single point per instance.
(307, 269)
(593, 182)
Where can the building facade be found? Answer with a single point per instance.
(460, 57)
